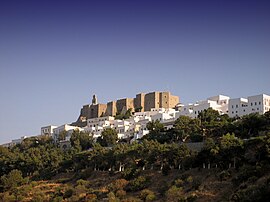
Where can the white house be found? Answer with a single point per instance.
(219, 103)
(238, 107)
(69, 129)
(47, 130)
(253, 104)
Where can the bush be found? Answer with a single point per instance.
(68, 193)
(112, 197)
(175, 194)
(189, 179)
(7, 197)
(178, 182)
(120, 193)
(12, 180)
(39, 197)
(91, 197)
(118, 185)
(130, 173)
(82, 182)
(147, 195)
(138, 183)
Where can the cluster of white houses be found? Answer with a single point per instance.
(135, 126)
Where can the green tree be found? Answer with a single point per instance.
(184, 127)
(156, 132)
(231, 147)
(62, 135)
(84, 139)
(12, 180)
(212, 123)
(109, 137)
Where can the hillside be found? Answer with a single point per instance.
(192, 185)
(233, 165)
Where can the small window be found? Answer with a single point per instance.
(232, 106)
(232, 112)
(259, 103)
(255, 103)
(251, 104)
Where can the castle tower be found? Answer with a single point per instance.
(94, 100)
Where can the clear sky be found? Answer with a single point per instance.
(55, 54)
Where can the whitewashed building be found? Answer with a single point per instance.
(47, 130)
(253, 104)
(69, 129)
(219, 103)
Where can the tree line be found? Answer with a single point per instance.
(228, 144)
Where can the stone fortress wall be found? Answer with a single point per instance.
(142, 102)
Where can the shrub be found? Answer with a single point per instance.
(174, 194)
(130, 173)
(138, 183)
(68, 193)
(91, 197)
(57, 199)
(7, 197)
(178, 182)
(39, 197)
(189, 179)
(82, 182)
(12, 180)
(118, 185)
(147, 195)
(120, 193)
(112, 197)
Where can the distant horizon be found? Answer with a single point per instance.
(55, 54)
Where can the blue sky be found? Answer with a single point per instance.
(55, 54)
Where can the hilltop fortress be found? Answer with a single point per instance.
(142, 102)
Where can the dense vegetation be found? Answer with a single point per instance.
(233, 164)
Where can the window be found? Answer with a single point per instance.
(244, 110)
(232, 106)
(236, 106)
(259, 103)
(255, 103)
(251, 104)
(232, 112)
(236, 112)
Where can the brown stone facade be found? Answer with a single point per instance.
(139, 102)
(111, 108)
(123, 105)
(151, 100)
(142, 102)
